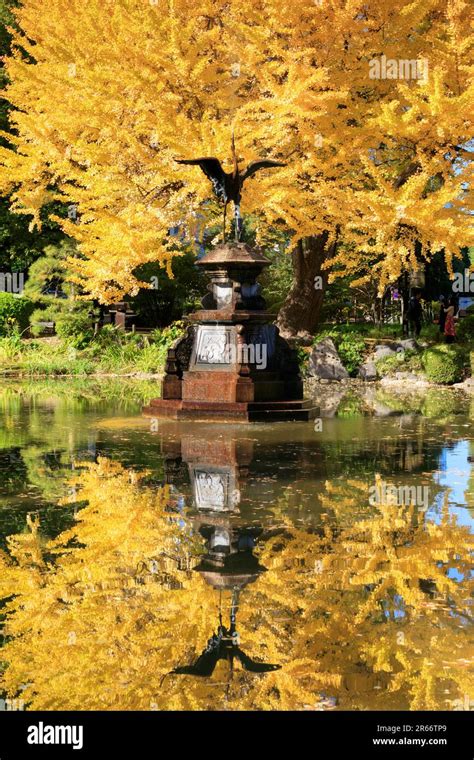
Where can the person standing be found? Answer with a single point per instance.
(449, 325)
(415, 314)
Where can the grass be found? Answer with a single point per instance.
(110, 352)
(362, 329)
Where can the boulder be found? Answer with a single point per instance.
(381, 352)
(409, 344)
(324, 362)
(368, 371)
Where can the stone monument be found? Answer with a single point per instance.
(232, 364)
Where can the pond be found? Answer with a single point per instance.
(154, 565)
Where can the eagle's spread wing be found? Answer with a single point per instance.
(255, 166)
(251, 665)
(212, 169)
(204, 665)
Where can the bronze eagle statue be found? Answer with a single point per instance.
(227, 186)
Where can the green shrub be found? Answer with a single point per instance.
(73, 320)
(350, 346)
(413, 361)
(389, 364)
(42, 315)
(351, 350)
(14, 312)
(465, 329)
(430, 332)
(76, 327)
(404, 361)
(168, 335)
(444, 364)
(108, 335)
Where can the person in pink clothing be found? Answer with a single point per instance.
(449, 325)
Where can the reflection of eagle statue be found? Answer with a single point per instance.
(224, 645)
(229, 563)
(227, 186)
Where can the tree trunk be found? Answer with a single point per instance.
(299, 315)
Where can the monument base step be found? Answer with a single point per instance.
(234, 411)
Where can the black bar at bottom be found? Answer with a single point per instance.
(126, 734)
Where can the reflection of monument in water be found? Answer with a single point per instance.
(232, 363)
(228, 564)
(211, 489)
(213, 460)
(226, 468)
(216, 467)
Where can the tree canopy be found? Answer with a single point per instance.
(107, 94)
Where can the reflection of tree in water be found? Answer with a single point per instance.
(38, 473)
(46, 424)
(305, 467)
(13, 471)
(397, 454)
(384, 618)
(360, 614)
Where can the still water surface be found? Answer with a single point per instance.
(150, 564)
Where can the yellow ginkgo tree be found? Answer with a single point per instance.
(366, 103)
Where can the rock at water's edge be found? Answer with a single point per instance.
(324, 362)
(368, 371)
